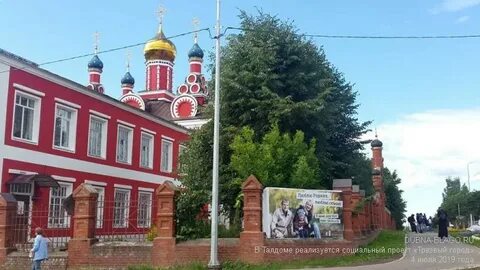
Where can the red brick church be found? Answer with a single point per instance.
(56, 134)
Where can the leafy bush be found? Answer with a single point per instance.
(152, 233)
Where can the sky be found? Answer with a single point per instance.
(422, 95)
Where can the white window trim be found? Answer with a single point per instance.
(64, 178)
(122, 186)
(152, 145)
(36, 117)
(67, 218)
(95, 183)
(170, 157)
(125, 123)
(98, 224)
(99, 114)
(24, 88)
(149, 209)
(103, 154)
(68, 103)
(130, 145)
(146, 189)
(149, 131)
(168, 138)
(72, 137)
(127, 209)
(15, 171)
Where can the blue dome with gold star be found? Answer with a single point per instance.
(95, 62)
(128, 79)
(195, 51)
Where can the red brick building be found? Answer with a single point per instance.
(56, 134)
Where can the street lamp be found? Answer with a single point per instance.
(214, 263)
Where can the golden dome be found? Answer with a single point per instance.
(160, 48)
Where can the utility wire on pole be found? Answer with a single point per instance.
(214, 263)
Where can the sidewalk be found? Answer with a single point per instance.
(426, 252)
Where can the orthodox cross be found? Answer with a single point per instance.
(128, 61)
(160, 13)
(195, 23)
(96, 37)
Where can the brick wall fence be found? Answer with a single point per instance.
(362, 221)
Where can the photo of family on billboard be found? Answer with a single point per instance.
(302, 213)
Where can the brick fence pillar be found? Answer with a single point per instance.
(363, 224)
(163, 251)
(8, 210)
(345, 185)
(85, 212)
(252, 236)
(356, 223)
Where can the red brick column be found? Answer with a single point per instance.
(163, 251)
(252, 238)
(85, 198)
(8, 210)
(345, 185)
(363, 224)
(356, 223)
(368, 217)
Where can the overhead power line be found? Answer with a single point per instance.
(366, 36)
(256, 30)
(107, 51)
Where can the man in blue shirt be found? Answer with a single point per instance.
(40, 249)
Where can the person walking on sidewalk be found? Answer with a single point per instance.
(39, 252)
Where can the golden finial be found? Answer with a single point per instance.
(96, 37)
(160, 14)
(196, 23)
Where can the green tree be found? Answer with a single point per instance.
(279, 160)
(271, 74)
(394, 200)
(458, 201)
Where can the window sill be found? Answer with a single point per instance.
(147, 168)
(25, 141)
(97, 157)
(124, 162)
(69, 150)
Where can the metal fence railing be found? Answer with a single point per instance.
(54, 221)
(124, 220)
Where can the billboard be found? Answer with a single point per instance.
(302, 213)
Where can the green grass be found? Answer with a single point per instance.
(386, 239)
(467, 240)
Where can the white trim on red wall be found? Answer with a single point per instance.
(15, 171)
(146, 189)
(4, 81)
(64, 178)
(68, 103)
(122, 186)
(99, 114)
(149, 131)
(35, 157)
(96, 183)
(29, 90)
(125, 123)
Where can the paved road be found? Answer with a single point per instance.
(426, 252)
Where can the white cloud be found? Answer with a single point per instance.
(454, 5)
(462, 19)
(427, 147)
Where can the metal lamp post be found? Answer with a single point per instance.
(214, 263)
